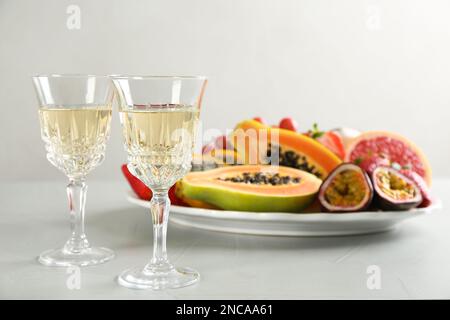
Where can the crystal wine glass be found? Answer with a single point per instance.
(75, 115)
(159, 117)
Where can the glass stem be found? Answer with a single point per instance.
(159, 207)
(76, 193)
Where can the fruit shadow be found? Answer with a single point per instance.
(132, 227)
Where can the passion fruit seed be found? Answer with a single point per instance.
(262, 178)
(291, 159)
(394, 186)
(346, 189)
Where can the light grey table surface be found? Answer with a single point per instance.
(414, 260)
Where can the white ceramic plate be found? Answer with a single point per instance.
(289, 224)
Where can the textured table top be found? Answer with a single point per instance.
(410, 262)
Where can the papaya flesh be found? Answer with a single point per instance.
(257, 188)
(257, 143)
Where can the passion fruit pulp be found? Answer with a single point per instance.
(394, 190)
(347, 189)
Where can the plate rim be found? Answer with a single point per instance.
(303, 217)
(282, 233)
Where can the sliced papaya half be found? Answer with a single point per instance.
(257, 143)
(257, 188)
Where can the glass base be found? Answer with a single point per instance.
(86, 257)
(138, 278)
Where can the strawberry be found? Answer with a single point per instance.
(333, 142)
(288, 124)
(223, 143)
(347, 134)
(259, 119)
(220, 142)
(329, 139)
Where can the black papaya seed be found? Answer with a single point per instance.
(262, 178)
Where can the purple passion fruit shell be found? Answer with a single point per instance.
(394, 190)
(347, 189)
(423, 187)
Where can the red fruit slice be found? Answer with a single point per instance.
(144, 192)
(394, 147)
(141, 190)
(333, 142)
(288, 124)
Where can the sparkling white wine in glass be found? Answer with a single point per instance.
(75, 137)
(75, 116)
(160, 141)
(159, 117)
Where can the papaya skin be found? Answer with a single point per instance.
(199, 204)
(191, 202)
(224, 196)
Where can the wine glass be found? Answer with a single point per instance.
(75, 116)
(159, 117)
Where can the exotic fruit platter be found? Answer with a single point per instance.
(277, 180)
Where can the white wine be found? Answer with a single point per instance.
(160, 141)
(75, 137)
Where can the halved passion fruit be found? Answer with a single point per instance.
(347, 189)
(395, 191)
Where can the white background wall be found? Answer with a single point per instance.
(369, 64)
